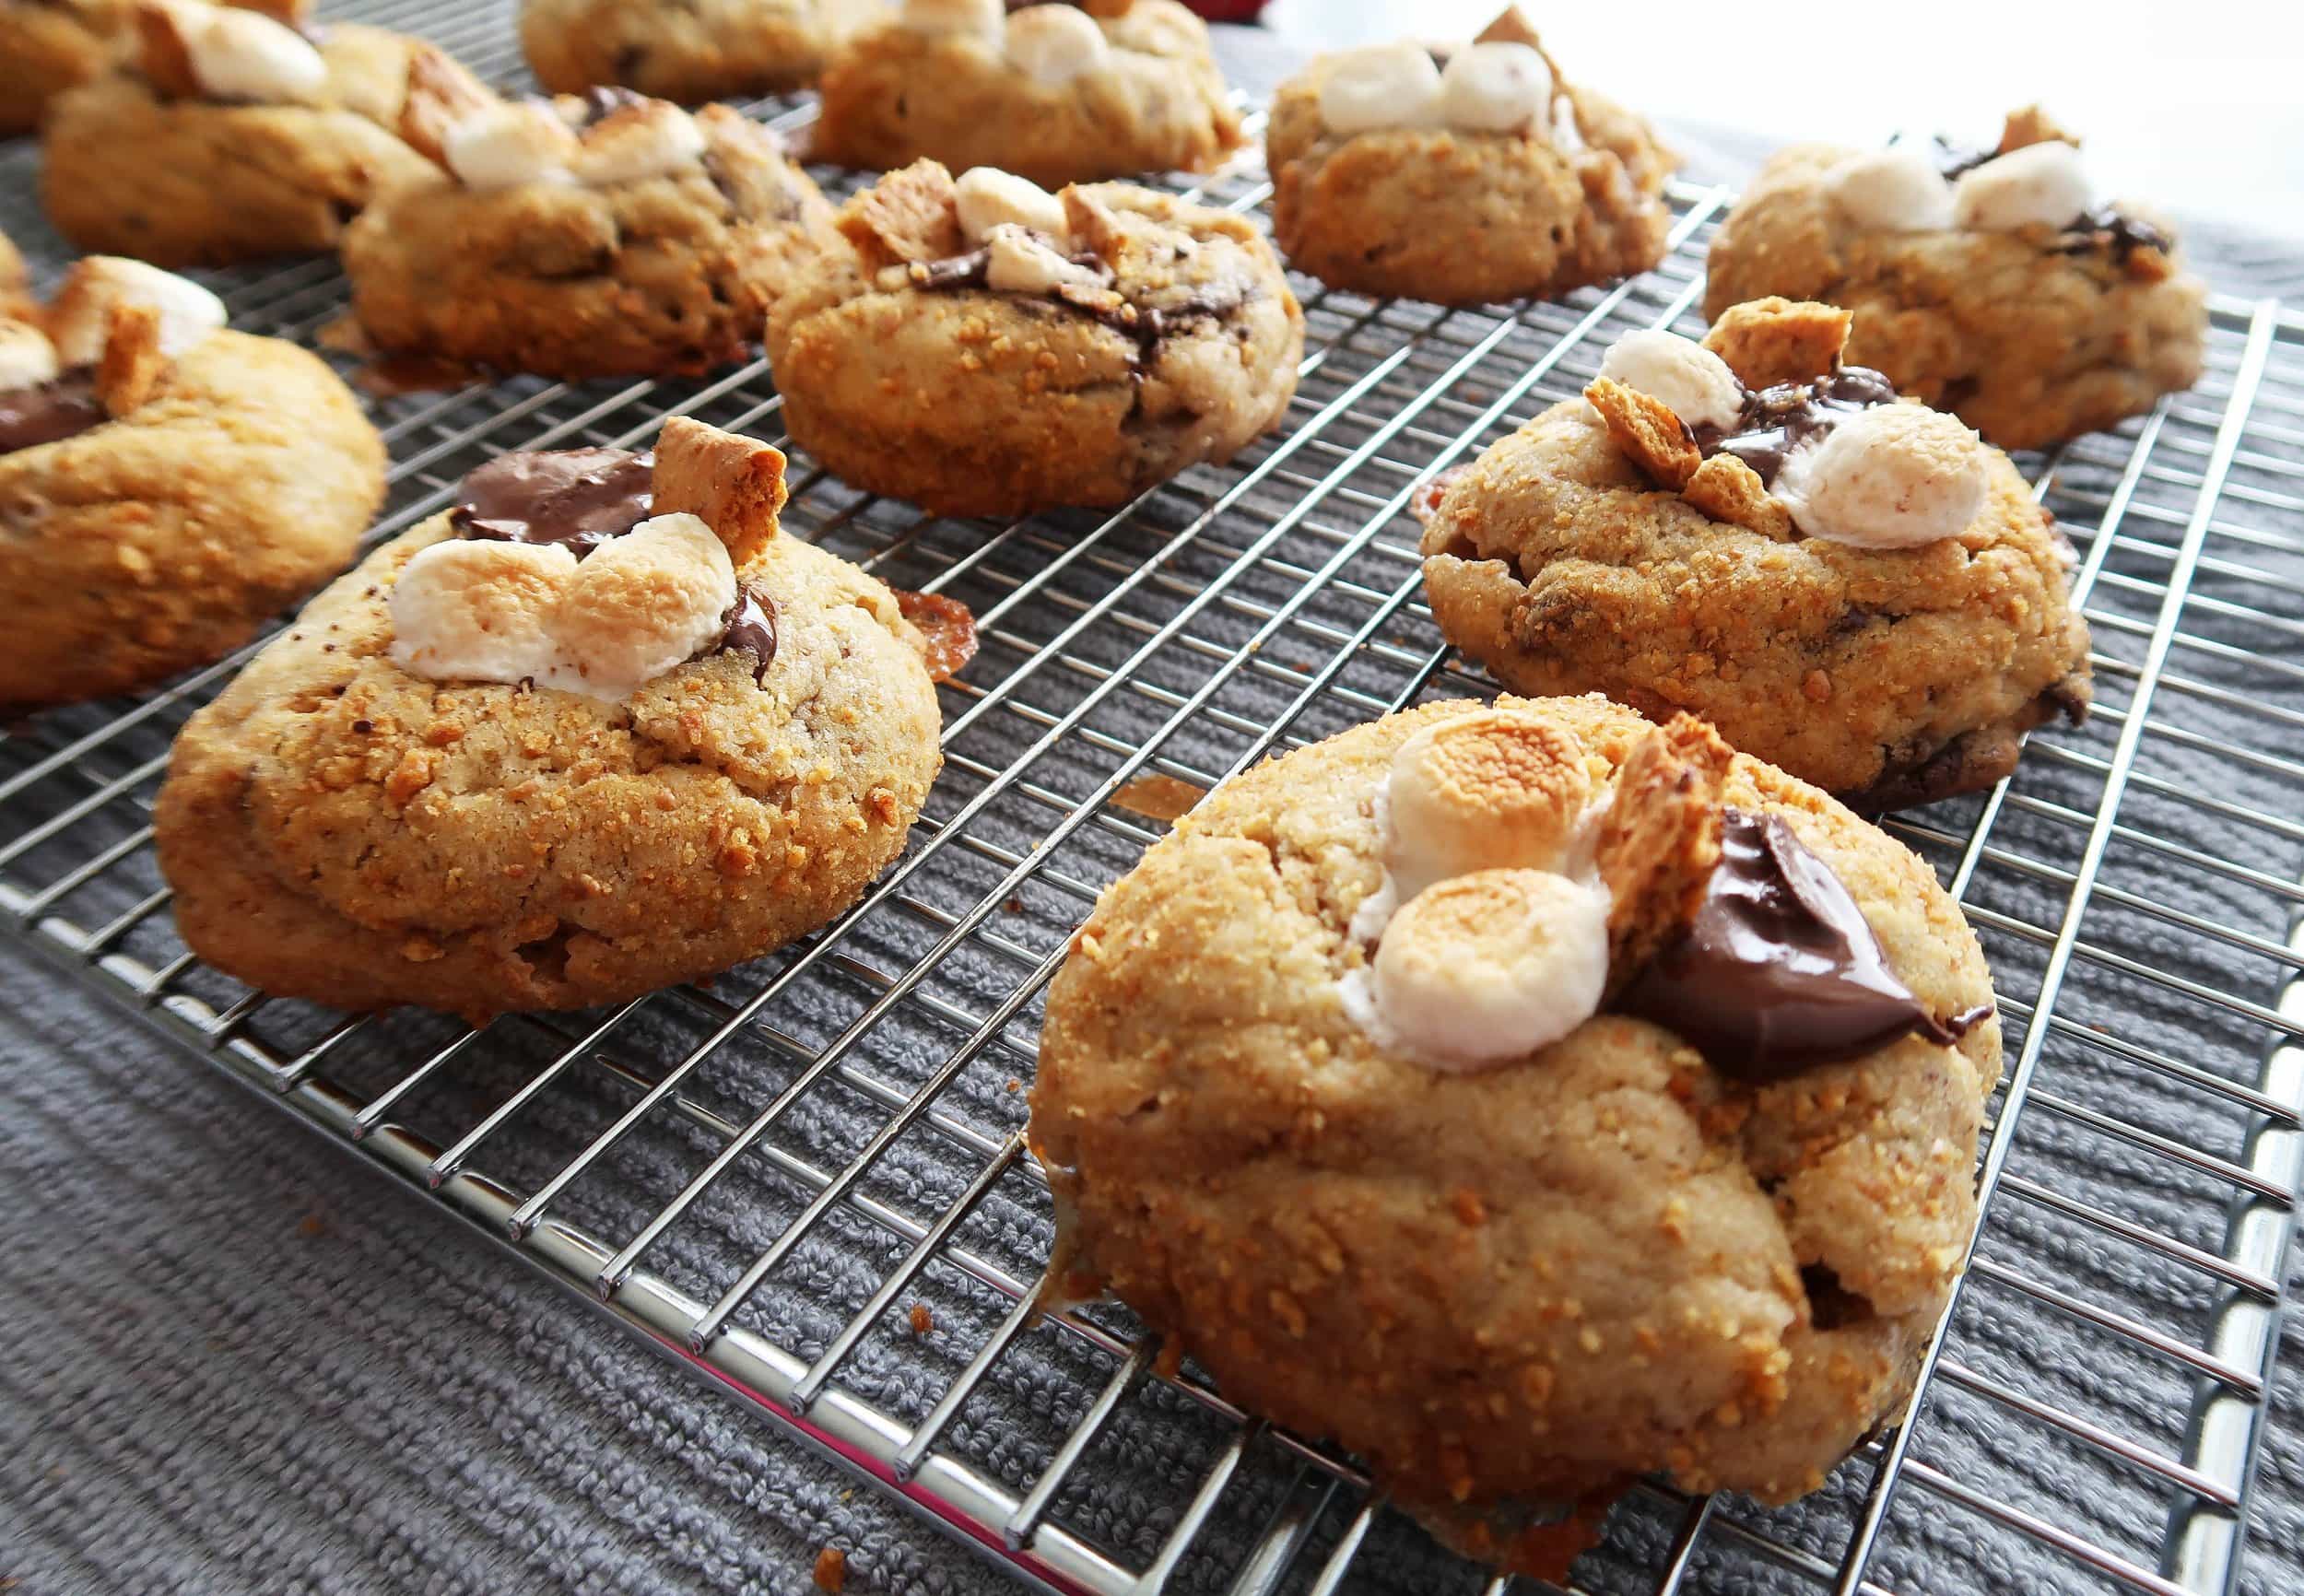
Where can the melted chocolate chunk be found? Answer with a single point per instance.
(1778, 421)
(952, 272)
(1952, 159)
(1146, 324)
(63, 408)
(1778, 969)
(602, 101)
(2109, 228)
(578, 496)
(751, 629)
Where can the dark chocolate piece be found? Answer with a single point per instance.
(952, 272)
(751, 629)
(602, 101)
(63, 408)
(1778, 969)
(2109, 228)
(578, 496)
(1952, 159)
(1779, 419)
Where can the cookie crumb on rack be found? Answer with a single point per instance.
(831, 1569)
(923, 1320)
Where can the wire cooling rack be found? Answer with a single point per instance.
(806, 1180)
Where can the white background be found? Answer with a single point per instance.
(2195, 105)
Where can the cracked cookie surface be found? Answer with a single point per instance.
(2026, 341)
(1526, 1282)
(1886, 677)
(975, 402)
(669, 274)
(338, 829)
(164, 537)
(128, 171)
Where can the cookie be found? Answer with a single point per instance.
(1057, 94)
(600, 727)
(226, 136)
(689, 51)
(1850, 587)
(598, 235)
(1442, 1089)
(1463, 177)
(1996, 285)
(166, 486)
(989, 349)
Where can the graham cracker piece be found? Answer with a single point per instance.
(132, 362)
(161, 55)
(734, 485)
(1648, 431)
(1727, 489)
(441, 93)
(2032, 125)
(1777, 340)
(910, 215)
(1661, 838)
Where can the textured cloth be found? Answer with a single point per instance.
(232, 1358)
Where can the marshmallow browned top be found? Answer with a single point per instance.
(1899, 189)
(520, 142)
(1499, 83)
(79, 317)
(1491, 928)
(1054, 45)
(238, 54)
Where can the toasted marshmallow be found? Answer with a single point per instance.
(651, 139)
(1496, 87)
(506, 146)
(27, 358)
(239, 55)
(984, 19)
(1498, 789)
(1054, 45)
(1679, 373)
(1893, 476)
(2041, 184)
(1479, 970)
(640, 604)
(79, 319)
(990, 199)
(1382, 86)
(479, 611)
(1020, 263)
(1895, 190)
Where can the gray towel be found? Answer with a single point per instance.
(236, 1359)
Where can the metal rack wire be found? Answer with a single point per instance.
(808, 1179)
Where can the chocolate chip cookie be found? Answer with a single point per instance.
(225, 137)
(165, 485)
(989, 348)
(1997, 284)
(1488, 177)
(601, 727)
(689, 51)
(593, 235)
(1449, 1089)
(1849, 586)
(1057, 94)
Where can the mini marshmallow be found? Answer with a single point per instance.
(1496, 87)
(479, 611)
(1054, 45)
(1382, 86)
(1493, 790)
(27, 358)
(81, 316)
(989, 198)
(640, 604)
(1895, 190)
(984, 19)
(506, 146)
(1478, 970)
(1679, 373)
(2041, 184)
(1020, 264)
(651, 139)
(1893, 476)
(239, 54)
